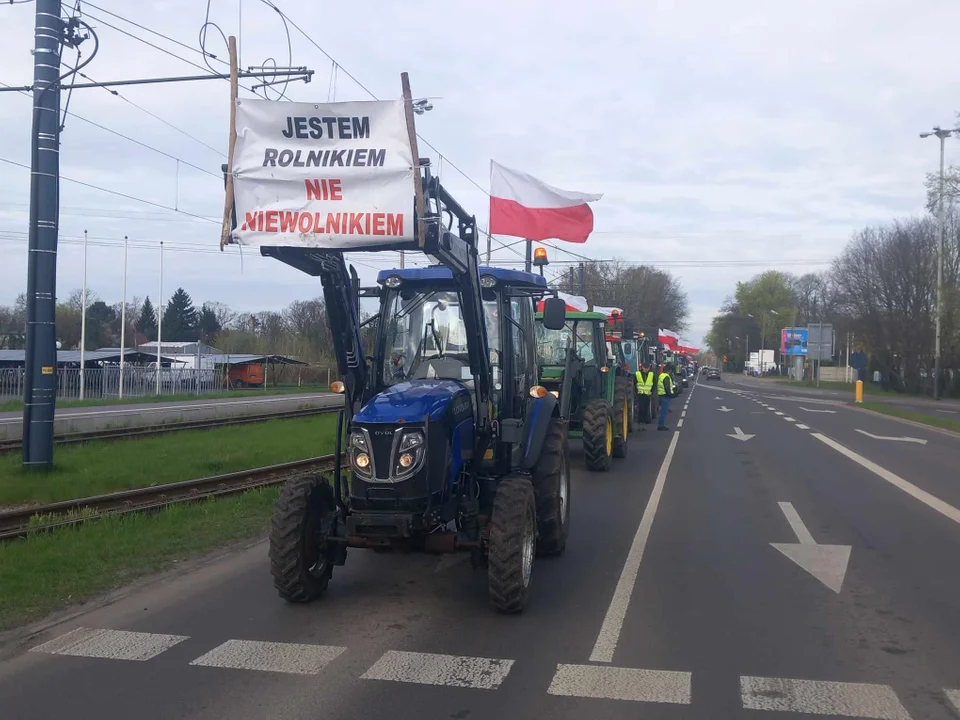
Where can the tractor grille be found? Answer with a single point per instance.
(381, 441)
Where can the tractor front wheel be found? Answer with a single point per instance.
(512, 544)
(621, 418)
(598, 434)
(551, 486)
(301, 560)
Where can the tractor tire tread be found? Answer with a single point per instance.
(287, 529)
(595, 416)
(547, 476)
(620, 398)
(514, 497)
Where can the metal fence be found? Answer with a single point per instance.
(105, 382)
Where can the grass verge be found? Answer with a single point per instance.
(104, 466)
(49, 570)
(938, 422)
(11, 405)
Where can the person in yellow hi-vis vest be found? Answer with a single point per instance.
(644, 378)
(666, 389)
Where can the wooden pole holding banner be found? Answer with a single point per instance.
(228, 201)
(412, 131)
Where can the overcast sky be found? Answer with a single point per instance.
(748, 132)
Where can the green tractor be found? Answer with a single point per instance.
(591, 383)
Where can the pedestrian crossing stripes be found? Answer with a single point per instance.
(431, 669)
(278, 657)
(618, 683)
(605, 682)
(110, 644)
(816, 697)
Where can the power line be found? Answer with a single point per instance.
(130, 139)
(155, 32)
(120, 194)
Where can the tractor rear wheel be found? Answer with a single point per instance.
(598, 434)
(551, 486)
(630, 384)
(621, 418)
(512, 544)
(301, 561)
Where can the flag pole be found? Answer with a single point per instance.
(528, 260)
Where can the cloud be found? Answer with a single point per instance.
(763, 133)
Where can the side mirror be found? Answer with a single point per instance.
(554, 313)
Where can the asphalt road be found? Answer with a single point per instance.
(806, 569)
(90, 419)
(949, 409)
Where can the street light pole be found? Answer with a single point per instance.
(942, 135)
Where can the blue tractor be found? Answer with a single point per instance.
(449, 441)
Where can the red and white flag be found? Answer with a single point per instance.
(523, 206)
(668, 338)
(574, 303)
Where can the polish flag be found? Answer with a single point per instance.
(668, 338)
(574, 303)
(523, 206)
(608, 311)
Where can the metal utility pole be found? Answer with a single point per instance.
(40, 388)
(580, 278)
(83, 322)
(159, 317)
(943, 135)
(123, 318)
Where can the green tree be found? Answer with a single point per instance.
(101, 332)
(769, 299)
(147, 320)
(180, 318)
(208, 323)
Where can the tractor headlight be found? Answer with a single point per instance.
(359, 452)
(410, 454)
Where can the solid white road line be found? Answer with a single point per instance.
(680, 423)
(862, 700)
(609, 635)
(954, 697)
(802, 426)
(922, 495)
(616, 683)
(281, 657)
(430, 669)
(110, 644)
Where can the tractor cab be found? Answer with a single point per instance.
(585, 373)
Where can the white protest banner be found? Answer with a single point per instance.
(333, 175)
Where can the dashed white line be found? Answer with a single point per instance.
(862, 700)
(280, 657)
(778, 413)
(802, 426)
(609, 634)
(923, 496)
(683, 414)
(431, 669)
(789, 419)
(110, 644)
(616, 683)
(680, 423)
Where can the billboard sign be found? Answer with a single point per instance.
(793, 341)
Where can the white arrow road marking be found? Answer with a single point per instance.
(738, 434)
(724, 408)
(893, 439)
(609, 634)
(827, 563)
(832, 412)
